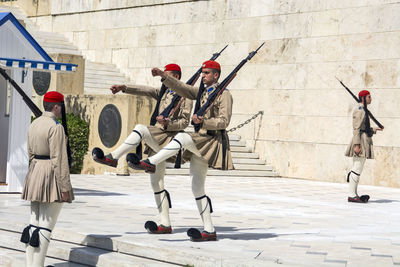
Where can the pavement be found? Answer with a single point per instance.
(259, 222)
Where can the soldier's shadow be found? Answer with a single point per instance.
(238, 234)
(92, 192)
(383, 201)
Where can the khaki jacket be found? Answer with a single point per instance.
(360, 136)
(47, 178)
(178, 121)
(181, 117)
(210, 137)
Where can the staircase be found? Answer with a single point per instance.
(246, 163)
(100, 76)
(70, 250)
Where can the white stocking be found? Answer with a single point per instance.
(354, 178)
(48, 214)
(157, 183)
(198, 173)
(133, 140)
(34, 220)
(173, 147)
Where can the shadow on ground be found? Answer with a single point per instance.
(91, 192)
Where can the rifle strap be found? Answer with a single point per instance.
(157, 108)
(178, 160)
(176, 107)
(224, 149)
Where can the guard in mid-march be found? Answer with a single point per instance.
(361, 146)
(47, 184)
(171, 116)
(208, 146)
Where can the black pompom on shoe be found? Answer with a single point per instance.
(98, 156)
(133, 161)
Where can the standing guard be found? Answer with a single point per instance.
(361, 146)
(161, 131)
(47, 184)
(206, 146)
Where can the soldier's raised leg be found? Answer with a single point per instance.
(139, 133)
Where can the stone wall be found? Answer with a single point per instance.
(307, 120)
(133, 110)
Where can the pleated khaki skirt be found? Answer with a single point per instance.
(367, 148)
(211, 149)
(41, 183)
(162, 138)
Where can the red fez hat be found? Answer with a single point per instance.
(172, 67)
(211, 64)
(363, 93)
(53, 97)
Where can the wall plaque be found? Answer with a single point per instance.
(109, 125)
(41, 81)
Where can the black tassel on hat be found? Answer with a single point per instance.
(25, 237)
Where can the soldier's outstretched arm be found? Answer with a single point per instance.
(178, 86)
(135, 89)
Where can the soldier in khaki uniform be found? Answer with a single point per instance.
(205, 147)
(360, 147)
(47, 184)
(155, 137)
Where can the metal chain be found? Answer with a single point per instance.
(261, 112)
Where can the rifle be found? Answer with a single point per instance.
(359, 101)
(177, 100)
(220, 88)
(35, 109)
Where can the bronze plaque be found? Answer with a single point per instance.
(109, 125)
(41, 82)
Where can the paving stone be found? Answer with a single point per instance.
(269, 221)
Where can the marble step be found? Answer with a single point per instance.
(80, 254)
(58, 46)
(242, 167)
(212, 172)
(253, 167)
(15, 258)
(106, 76)
(111, 72)
(241, 149)
(240, 143)
(245, 155)
(100, 66)
(51, 50)
(234, 137)
(248, 161)
(88, 248)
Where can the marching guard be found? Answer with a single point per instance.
(157, 135)
(209, 146)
